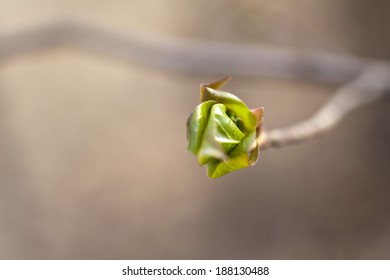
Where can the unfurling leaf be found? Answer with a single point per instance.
(222, 131)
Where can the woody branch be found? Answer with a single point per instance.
(362, 80)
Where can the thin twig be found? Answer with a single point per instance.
(373, 83)
(370, 79)
(184, 55)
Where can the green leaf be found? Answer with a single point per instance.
(243, 155)
(196, 125)
(235, 108)
(220, 137)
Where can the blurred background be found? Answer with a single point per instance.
(93, 161)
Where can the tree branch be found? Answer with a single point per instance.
(367, 87)
(370, 79)
(226, 59)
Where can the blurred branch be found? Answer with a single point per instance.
(191, 56)
(370, 78)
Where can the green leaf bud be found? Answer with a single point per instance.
(222, 131)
